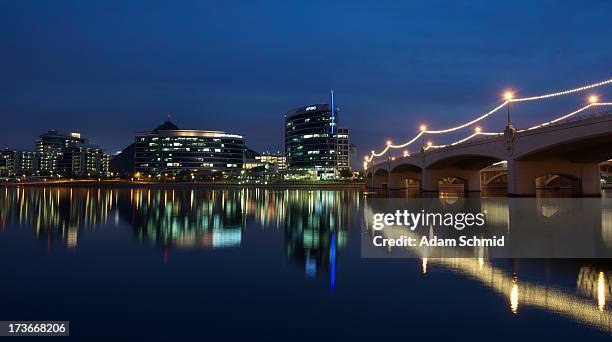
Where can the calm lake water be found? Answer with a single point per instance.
(198, 264)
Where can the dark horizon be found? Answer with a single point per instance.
(110, 69)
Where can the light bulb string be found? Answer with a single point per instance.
(494, 110)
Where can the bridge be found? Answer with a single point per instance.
(566, 151)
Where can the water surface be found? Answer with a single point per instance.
(160, 264)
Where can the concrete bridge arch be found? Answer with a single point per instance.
(573, 149)
(405, 176)
(464, 167)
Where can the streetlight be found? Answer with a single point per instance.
(477, 129)
(423, 128)
(592, 101)
(372, 170)
(508, 96)
(389, 174)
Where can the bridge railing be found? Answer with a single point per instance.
(581, 117)
(490, 137)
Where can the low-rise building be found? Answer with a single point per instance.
(278, 160)
(18, 163)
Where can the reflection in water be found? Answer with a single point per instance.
(548, 297)
(586, 304)
(173, 218)
(60, 212)
(315, 222)
(315, 227)
(601, 291)
(595, 284)
(514, 296)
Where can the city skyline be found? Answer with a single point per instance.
(87, 67)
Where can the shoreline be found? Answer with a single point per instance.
(130, 184)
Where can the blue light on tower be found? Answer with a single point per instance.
(333, 112)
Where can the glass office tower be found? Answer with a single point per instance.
(311, 140)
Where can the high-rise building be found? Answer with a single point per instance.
(313, 140)
(69, 155)
(343, 161)
(50, 147)
(168, 149)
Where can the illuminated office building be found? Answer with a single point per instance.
(83, 160)
(168, 149)
(312, 140)
(277, 160)
(69, 155)
(50, 147)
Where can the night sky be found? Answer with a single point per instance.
(109, 69)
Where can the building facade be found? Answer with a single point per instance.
(313, 141)
(278, 160)
(83, 160)
(69, 155)
(343, 156)
(50, 147)
(16, 164)
(168, 149)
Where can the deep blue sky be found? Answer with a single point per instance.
(110, 68)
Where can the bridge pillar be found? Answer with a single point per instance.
(522, 176)
(428, 182)
(432, 177)
(380, 180)
(404, 180)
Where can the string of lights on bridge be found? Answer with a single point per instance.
(508, 98)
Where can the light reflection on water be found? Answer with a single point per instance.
(316, 226)
(315, 222)
(588, 303)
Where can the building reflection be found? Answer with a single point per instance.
(316, 227)
(314, 222)
(56, 213)
(184, 218)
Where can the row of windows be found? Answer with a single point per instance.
(188, 139)
(144, 166)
